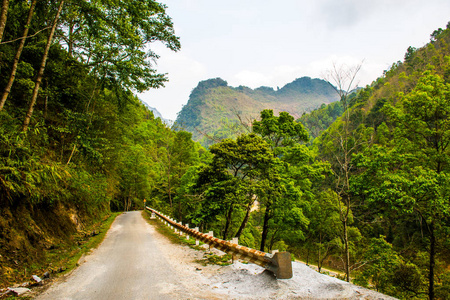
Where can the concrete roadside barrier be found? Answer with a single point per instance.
(279, 263)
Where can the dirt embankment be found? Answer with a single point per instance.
(28, 232)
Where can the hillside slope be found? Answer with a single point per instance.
(392, 146)
(214, 108)
(157, 114)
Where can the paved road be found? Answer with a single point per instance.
(127, 265)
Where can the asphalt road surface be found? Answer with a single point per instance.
(127, 265)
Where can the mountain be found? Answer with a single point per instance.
(157, 114)
(216, 110)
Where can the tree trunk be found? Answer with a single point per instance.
(345, 225)
(245, 221)
(265, 228)
(228, 222)
(180, 217)
(169, 187)
(12, 76)
(432, 262)
(344, 79)
(71, 153)
(46, 102)
(324, 256)
(70, 41)
(319, 265)
(272, 240)
(347, 253)
(40, 75)
(3, 17)
(88, 126)
(169, 169)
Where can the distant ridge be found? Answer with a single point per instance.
(157, 114)
(213, 107)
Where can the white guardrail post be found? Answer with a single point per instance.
(279, 263)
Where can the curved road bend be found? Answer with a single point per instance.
(127, 265)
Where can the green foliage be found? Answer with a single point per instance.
(382, 263)
(372, 187)
(23, 174)
(400, 174)
(223, 260)
(279, 131)
(91, 145)
(320, 119)
(231, 179)
(408, 281)
(420, 183)
(111, 38)
(248, 237)
(375, 183)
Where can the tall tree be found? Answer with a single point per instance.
(40, 74)
(3, 17)
(177, 155)
(423, 119)
(280, 133)
(186, 155)
(17, 56)
(244, 159)
(342, 79)
(409, 175)
(114, 39)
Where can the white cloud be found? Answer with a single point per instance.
(251, 79)
(184, 73)
(271, 43)
(283, 74)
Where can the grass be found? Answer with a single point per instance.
(212, 259)
(175, 238)
(333, 272)
(169, 233)
(68, 258)
(166, 231)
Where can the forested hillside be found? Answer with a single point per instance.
(157, 114)
(75, 143)
(369, 197)
(320, 119)
(390, 159)
(216, 111)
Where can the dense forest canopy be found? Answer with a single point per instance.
(361, 185)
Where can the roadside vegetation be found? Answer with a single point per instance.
(76, 144)
(361, 186)
(208, 257)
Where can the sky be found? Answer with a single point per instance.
(272, 42)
